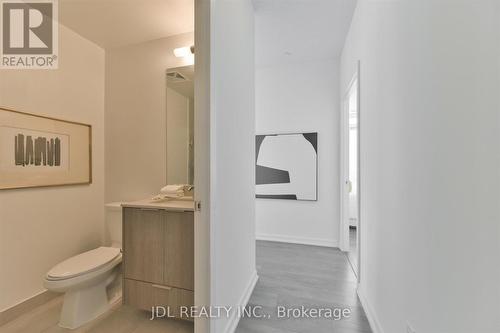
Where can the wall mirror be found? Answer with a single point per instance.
(180, 125)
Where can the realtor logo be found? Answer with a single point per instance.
(29, 34)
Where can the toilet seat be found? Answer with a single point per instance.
(83, 263)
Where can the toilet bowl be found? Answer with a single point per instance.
(84, 278)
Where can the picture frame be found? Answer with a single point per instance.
(286, 166)
(41, 151)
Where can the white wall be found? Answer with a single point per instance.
(232, 154)
(41, 227)
(136, 116)
(430, 180)
(293, 98)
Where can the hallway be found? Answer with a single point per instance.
(292, 275)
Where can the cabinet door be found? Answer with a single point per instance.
(145, 296)
(143, 237)
(179, 250)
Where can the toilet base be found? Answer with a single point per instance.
(86, 294)
(84, 305)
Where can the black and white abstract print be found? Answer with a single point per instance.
(286, 166)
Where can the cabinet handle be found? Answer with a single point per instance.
(149, 209)
(159, 286)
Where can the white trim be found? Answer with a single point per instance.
(370, 313)
(299, 240)
(234, 319)
(204, 255)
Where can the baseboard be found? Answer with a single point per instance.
(234, 319)
(370, 313)
(298, 240)
(26, 306)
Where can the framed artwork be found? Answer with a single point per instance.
(286, 166)
(40, 151)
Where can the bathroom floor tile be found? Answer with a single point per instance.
(118, 321)
(121, 319)
(165, 326)
(36, 321)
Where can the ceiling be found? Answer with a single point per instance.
(300, 30)
(115, 23)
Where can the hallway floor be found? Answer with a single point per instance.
(294, 275)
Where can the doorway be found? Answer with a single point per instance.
(350, 191)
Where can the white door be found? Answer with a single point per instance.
(350, 189)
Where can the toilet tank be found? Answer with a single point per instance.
(114, 224)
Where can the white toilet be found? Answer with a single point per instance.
(85, 278)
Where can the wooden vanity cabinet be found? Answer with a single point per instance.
(158, 258)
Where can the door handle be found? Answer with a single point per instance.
(144, 209)
(349, 186)
(159, 286)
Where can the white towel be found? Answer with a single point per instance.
(177, 190)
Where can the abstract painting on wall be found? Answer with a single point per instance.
(41, 151)
(286, 166)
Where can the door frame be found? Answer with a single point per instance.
(204, 277)
(344, 168)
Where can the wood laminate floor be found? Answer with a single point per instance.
(294, 275)
(122, 319)
(290, 275)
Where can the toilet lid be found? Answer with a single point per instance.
(83, 263)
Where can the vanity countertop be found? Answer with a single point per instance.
(171, 205)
